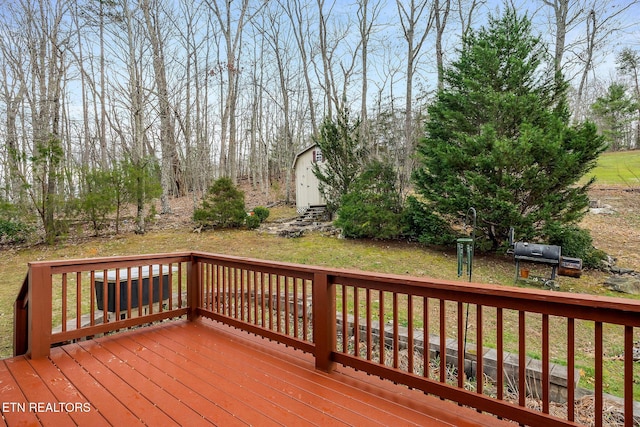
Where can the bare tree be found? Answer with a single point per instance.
(466, 13)
(602, 23)
(103, 90)
(567, 14)
(326, 53)
(298, 14)
(416, 20)
(441, 13)
(368, 13)
(13, 92)
(257, 82)
(231, 21)
(191, 108)
(170, 170)
(41, 43)
(600, 19)
(130, 95)
(277, 39)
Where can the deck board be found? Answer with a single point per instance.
(206, 408)
(102, 400)
(11, 394)
(64, 391)
(302, 395)
(247, 407)
(172, 407)
(202, 373)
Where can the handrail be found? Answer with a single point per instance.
(364, 320)
(244, 292)
(549, 308)
(87, 304)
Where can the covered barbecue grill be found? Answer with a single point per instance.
(538, 254)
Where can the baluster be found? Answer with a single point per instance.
(410, 348)
(381, 325)
(78, 300)
(522, 367)
(395, 331)
(628, 376)
(426, 347)
(479, 351)
(356, 323)
(461, 345)
(571, 334)
(500, 350)
(443, 342)
(545, 363)
(598, 375)
(64, 302)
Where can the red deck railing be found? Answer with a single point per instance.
(340, 316)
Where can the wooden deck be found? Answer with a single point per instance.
(204, 373)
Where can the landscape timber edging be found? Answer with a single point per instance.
(557, 373)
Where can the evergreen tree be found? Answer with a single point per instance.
(96, 201)
(372, 209)
(103, 192)
(223, 206)
(46, 162)
(628, 62)
(498, 138)
(136, 182)
(343, 157)
(615, 111)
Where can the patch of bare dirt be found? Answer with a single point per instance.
(182, 207)
(616, 230)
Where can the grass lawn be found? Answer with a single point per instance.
(618, 168)
(312, 249)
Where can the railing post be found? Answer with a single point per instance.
(324, 321)
(194, 282)
(40, 305)
(20, 331)
(21, 321)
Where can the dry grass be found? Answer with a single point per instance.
(618, 233)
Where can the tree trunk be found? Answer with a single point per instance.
(170, 161)
(441, 16)
(296, 15)
(233, 43)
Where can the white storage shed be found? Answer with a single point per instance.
(307, 184)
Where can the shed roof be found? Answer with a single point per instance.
(301, 152)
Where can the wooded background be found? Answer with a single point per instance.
(237, 88)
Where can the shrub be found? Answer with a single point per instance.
(152, 214)
(364, 218)
(222, 206)
(575, 242)
(252, 221)
(372, 209)
(261, 212)
(97, 198)
(13, 231)
(424, 225)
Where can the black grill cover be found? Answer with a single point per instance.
(534, 252)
